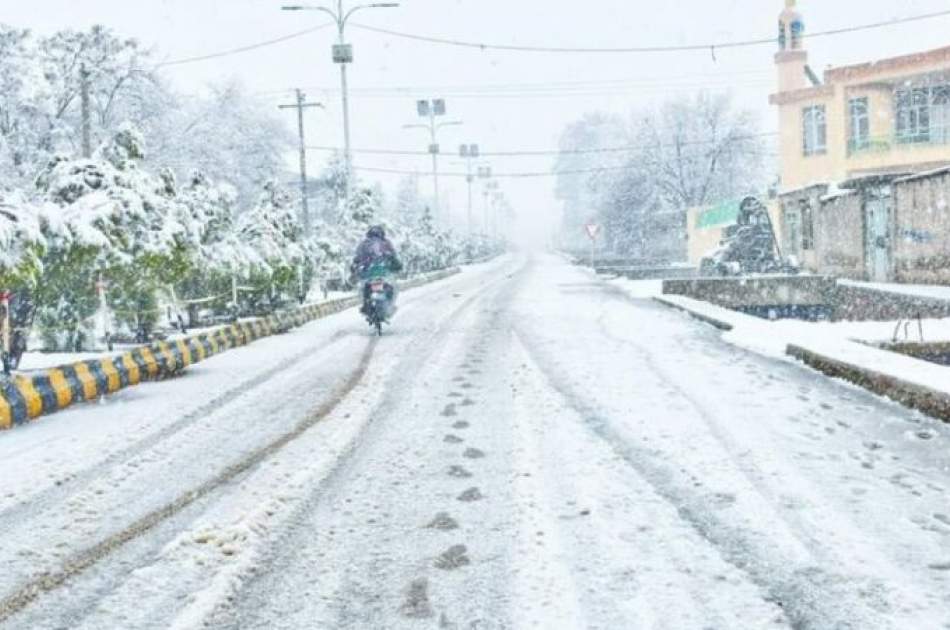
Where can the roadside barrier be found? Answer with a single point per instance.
(25, 397)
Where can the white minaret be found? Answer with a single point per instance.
(791, 57)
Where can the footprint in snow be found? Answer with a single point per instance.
(459, 472)
(455, 557)
(470, 495)
(417, 604)
(443, 522)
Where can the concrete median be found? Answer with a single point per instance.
(25, 397)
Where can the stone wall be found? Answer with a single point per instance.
(798, 210)
(865, 304)
(922, 242)
(839, 236)
(738, 293)
(839, 301)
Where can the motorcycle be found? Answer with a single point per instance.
(378, 302)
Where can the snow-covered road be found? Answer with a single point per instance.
(527, 448)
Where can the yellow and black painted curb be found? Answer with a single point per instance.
(25, 397)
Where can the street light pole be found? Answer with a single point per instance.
(434, 150)
(470, 153)
(343, 55)
(429, 110)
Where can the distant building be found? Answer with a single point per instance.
(848, 142)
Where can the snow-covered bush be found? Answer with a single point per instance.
(21, 240)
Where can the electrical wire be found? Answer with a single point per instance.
(242, 49)
(544, 152)
(712, 46)
(687, 80)
(509, 175)
(562, 94)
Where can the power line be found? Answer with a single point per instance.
(547, 152)
(712, 46)
(553, 94)
(242, 49)
(663, 82)
(509, 175)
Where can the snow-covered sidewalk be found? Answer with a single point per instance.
(845, 344)
(923, 291)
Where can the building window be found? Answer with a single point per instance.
(859, 124)
(940, 115)
(913, 115)
(815, 131)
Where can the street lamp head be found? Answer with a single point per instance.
(384, 5)
(293, 7)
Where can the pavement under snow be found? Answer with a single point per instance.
(527, 447)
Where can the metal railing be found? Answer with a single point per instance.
(934, 136)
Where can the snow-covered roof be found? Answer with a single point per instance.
(835, 192)
(943, 170)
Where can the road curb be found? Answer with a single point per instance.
(929, 401)
(712, 321)
(25, 397)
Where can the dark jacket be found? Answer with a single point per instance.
(372, 252)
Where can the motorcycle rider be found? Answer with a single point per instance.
(375, 255)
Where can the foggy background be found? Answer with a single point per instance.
(509, 101)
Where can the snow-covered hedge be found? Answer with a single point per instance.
(152, 242)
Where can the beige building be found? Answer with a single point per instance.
(891, 115)
(850, 144)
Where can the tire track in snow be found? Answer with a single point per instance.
(39, 502)
(250, 604)
(42, 500)
(46, 583)
(810, 597)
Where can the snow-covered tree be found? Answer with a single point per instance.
(701, 150)
(111, 220)
(280, 249)
(229, 136)
(21, 241)
(638, 179)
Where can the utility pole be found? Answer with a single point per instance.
(300, 105)
(84, 104)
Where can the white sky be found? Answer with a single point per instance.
(184, 28)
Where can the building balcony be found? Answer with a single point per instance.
(900, 142)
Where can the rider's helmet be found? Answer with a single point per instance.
(377, 231)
